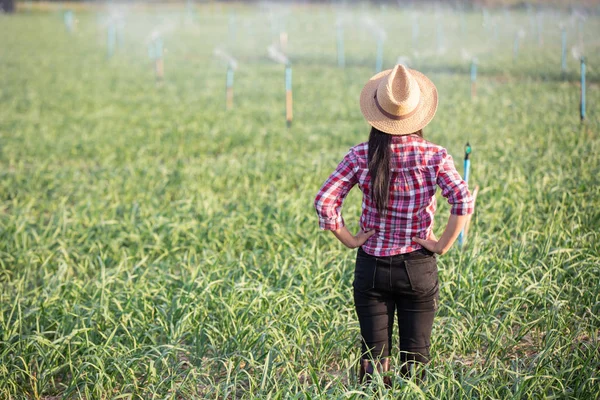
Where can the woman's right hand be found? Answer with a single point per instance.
(455, 224)
(429, 244)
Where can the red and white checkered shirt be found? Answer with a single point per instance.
(417, 168)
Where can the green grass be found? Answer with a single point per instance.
(153, 245)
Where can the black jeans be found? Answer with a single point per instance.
(406, 284)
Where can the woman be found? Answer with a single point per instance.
(398, 172)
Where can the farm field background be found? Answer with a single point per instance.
(155, 245)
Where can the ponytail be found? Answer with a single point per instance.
(380, 154)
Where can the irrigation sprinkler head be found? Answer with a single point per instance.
(464, 54)
(403, 60)
(154, 35)
(576, 52)
(225, 56)
(276, 55)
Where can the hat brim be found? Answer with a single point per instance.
(424, 114)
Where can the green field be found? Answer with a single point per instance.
(156, 246)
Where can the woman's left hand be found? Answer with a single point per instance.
(352, 241)
(430, 243)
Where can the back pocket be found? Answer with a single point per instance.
(422, 274)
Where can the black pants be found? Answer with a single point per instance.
(406, 284)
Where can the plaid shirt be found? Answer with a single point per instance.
(417, 168)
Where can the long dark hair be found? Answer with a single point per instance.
(380, 156)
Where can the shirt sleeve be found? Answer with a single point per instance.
(328, 202)
(454, 188)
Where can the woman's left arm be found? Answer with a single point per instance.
(330, 198)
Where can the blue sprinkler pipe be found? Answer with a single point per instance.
(473, 78)
(232, 24)
(582, 98)
(467, 167)
(340, 47)
(229, 88)
(119, 33)
(111, 39)
(379, 60)
(288, 95)
(563, 62)
(159, 47)
(69, 19)
(415, 32)
(190, 8)
(440, 36)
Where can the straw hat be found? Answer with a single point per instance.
(399, 101)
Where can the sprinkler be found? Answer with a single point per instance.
(563, 63)
(155, 52)
(473, 79)
(288, 95)
(582, 92)
(111, 38)
(340, 46)
(229, 87)
(232, 25)
(415, 30)
(467, 166)
(379, 60)
(69, 19)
